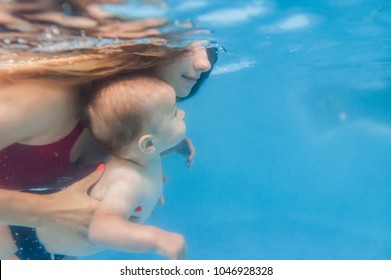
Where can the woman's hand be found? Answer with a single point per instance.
(72, 208)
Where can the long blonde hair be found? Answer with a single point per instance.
(83, 66)
(110, 46)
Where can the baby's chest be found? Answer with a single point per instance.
(145, 206)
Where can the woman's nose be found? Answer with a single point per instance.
(201, 61)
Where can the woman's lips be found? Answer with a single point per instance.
(192, 80)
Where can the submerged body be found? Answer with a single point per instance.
(43, 147)
(137, 133)
(109, 187)
(39, 109)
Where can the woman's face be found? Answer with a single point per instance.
(184, 72)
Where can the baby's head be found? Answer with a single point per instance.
(136, 109)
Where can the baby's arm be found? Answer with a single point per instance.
(111, 228)
(185, 148)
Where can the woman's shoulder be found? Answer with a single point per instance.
(33, 109)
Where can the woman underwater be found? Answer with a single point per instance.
(43, 142)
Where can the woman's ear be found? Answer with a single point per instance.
(146, 144)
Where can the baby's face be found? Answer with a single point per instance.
(168, 121)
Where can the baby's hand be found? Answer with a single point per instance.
(171, 245)
(186, 148)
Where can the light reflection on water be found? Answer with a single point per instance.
(43, 29)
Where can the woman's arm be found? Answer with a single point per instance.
(70, 209)
(18, 208)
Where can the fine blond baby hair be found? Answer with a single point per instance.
(120, 109)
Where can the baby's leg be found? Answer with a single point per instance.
(7, 244)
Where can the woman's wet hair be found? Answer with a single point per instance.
(81, 67)
(88, 54)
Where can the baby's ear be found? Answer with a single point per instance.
(146, 144)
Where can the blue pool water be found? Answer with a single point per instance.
(292, 131)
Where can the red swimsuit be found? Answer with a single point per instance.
(29, 166)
